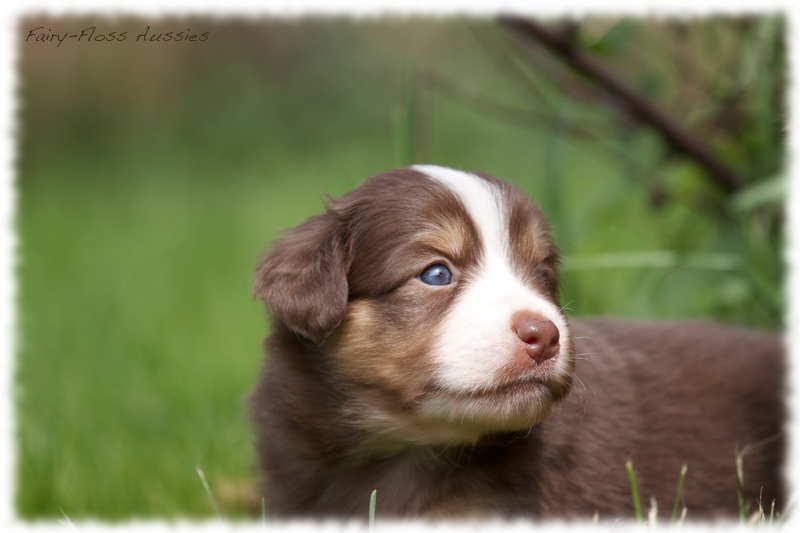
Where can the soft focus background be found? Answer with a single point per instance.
(152, 175)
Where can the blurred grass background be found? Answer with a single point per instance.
(152, 175)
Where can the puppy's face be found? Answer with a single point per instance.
(432, 294)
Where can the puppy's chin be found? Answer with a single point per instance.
(443, 417)
(512, 408)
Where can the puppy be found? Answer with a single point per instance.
(418, 348)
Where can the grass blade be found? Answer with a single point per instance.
(771, 513)
(740, 486)
(372, 500)
(681, 478)
(682, 519)
(637, 505)
(208, 491)
(403, 122)
(652, 515)
(66, 521)
(657, 259)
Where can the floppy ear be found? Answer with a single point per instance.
(303, 279)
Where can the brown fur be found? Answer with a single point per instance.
(347, 349)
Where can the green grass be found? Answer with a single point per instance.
(762, 514)
(139, 340)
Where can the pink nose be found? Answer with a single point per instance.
(540, 337)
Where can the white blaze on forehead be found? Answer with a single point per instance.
(476, 339)
(484, 203)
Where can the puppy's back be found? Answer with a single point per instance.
(664, 394)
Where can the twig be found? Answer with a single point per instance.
(638, 105)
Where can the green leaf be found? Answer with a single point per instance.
(614, 39)
(771, 191)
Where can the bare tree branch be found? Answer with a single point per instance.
(640, 108)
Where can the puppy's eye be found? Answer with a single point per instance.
(436, 275)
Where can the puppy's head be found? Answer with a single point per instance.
(433, 295)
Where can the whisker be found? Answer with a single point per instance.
(564, 307)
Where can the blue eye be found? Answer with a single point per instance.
(436, 275)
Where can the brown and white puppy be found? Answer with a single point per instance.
(418, 348)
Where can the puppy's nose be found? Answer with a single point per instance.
(540, 337)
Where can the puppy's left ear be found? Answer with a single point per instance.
(303, 279)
